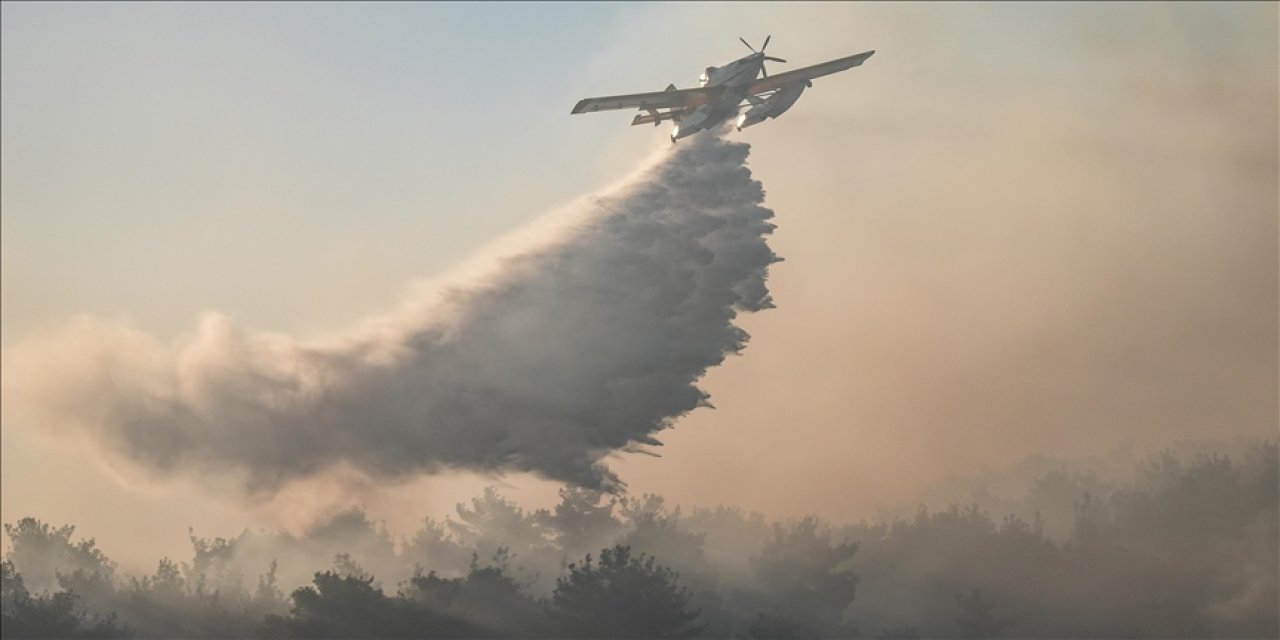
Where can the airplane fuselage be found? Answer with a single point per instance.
(736, 77)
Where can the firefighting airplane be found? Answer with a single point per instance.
(721, 92)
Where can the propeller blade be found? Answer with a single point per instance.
(766, 43)
(763, 72)
(748, 46)
(774, 59)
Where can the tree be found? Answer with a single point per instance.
(487, 603)
(348, 603)
(41, 552)
(433, 544)
(806, 582)
(623, 597)
(582, 520)
(493, 522)
(654, 531)
(978, 619)
(338, 606)
(665, 534)
(352, 534)
(23, 615)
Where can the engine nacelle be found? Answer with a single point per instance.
(774, 105)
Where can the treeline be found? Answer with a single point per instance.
(1187, 545)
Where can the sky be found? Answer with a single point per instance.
(1017, 229)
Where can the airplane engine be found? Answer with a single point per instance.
(774, 105)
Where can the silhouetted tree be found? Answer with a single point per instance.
(732, 537)
(977, 618)
(267, 597)
(435, 546)
(660, 533)
(624, 596)
(582, 520)
(806, 581)
(338, 606)
(1187, 547)
(492, 522)
(656, 532)
(41, 552)
(348, 603)
(23, 615)
(353, 535)
(490, 602)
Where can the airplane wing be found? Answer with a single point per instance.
(808, 73)
(654, 100)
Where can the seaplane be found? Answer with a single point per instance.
(741, 88)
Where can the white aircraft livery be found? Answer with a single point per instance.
(721, 94)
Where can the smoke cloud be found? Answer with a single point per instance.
(585, 344)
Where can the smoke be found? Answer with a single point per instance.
(582, 345)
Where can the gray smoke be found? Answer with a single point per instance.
(575, 348)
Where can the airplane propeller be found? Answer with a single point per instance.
(761, 53)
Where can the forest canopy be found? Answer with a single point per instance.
(1185, 543)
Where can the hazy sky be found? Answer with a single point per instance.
(1018, 228)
